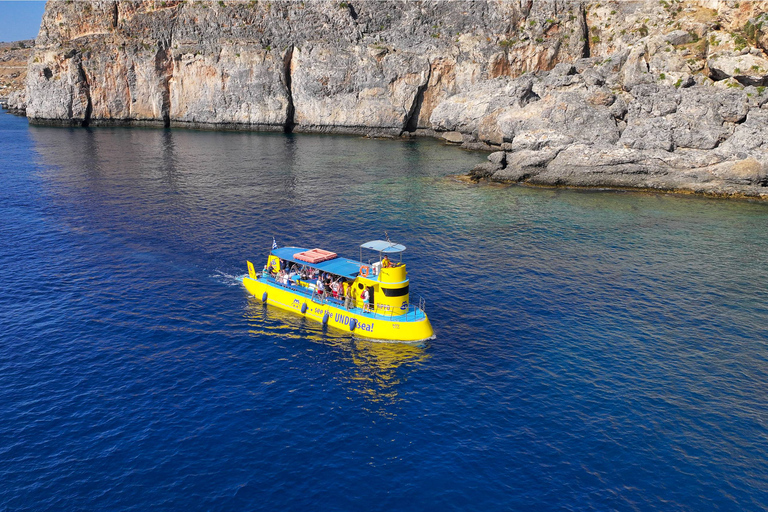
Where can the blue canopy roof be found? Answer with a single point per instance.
(338, 266)
(383, 246)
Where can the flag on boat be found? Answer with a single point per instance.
(274, 244)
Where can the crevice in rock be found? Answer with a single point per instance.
(746, 81)
(352, 11)
(115, 14)
(529, 97)
(525, 8)
(717, 75)
(584, 32)
(164, 69)
(412, 119)
(87, 89)
(287, 71)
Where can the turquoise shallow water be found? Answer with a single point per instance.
(593, 350)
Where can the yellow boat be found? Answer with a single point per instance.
(370, 299)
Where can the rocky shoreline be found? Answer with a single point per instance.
(701, 139)
(661, 95)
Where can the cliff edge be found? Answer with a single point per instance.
(665, 94)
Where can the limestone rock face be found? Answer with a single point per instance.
(365, 89)
(363, 67)
(17, 102)
(61, 88)
(469, 112)
(246, 87)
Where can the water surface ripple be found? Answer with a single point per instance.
(594, 351)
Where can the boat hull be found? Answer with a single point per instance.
(363, 324)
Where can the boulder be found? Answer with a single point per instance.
(747, 137)
(566, 114)
(17, 102)
(485, 170)
(525, 164)
(563, 69)
(748, 171)
(748, 69)
(584, 159)
(635, 69)
(454, 137)
(538, 139)
(498, 157)
(678, 37)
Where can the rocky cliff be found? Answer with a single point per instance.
(662, 94)
(13, 73)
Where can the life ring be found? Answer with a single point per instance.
(364, 270)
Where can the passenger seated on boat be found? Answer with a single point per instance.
(385, 263)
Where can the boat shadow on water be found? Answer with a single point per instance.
(378, 369)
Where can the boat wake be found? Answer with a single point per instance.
(227, 279)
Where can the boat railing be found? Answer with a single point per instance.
(308, 291)
(412, 311)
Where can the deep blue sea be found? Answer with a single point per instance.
(593, 350)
